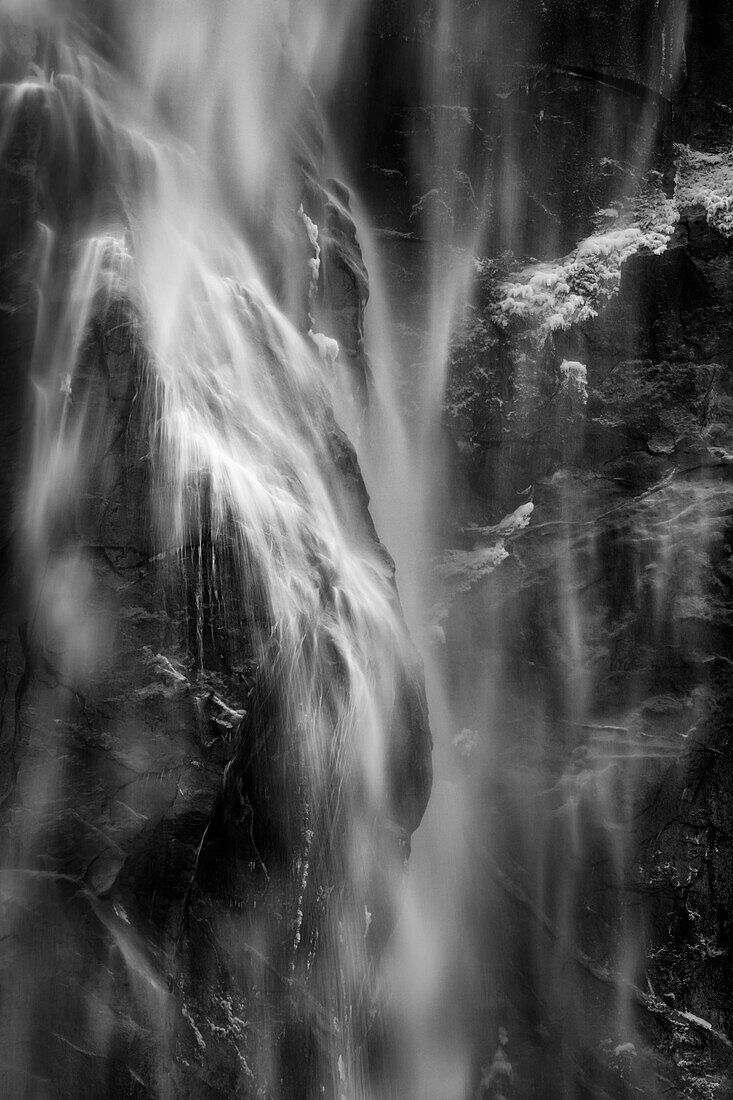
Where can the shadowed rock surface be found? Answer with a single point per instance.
(586, 555)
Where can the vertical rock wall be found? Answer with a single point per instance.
(587, 602)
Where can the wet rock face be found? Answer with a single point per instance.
(19, 197)
(654, 383)
(550, 110)
(603, 636)
(342, 291)
(629, 544)
(705, 93)
(548, 149)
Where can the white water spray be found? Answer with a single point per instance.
(165, 260)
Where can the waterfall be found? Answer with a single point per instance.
(365, 361)
(184, 444)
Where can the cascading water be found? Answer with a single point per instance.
(219, 745)
(184, 439)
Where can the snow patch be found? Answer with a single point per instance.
(312, 230)
(471, 565)
(557, 294)
(574, 377)
(328, 348)
(192, 1024)
(706, 180)
(462, 569)
(697, 1020)
(517, 520)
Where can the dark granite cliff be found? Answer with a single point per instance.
(587, 542)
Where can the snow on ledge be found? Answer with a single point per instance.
(706, 180)
(557, 294)
(463, 568)
(574, 377)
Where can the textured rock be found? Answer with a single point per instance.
(516, 121)
(586, 605)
